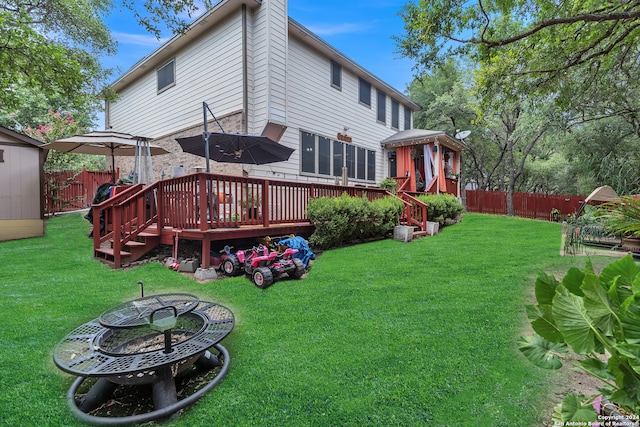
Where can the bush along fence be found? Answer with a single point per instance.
(345, 219)
(68, 191)
(442, 208)
(553, 207)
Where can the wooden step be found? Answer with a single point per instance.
(111, 252)
(148, 234)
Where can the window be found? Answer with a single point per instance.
(326, 157)
(166, 75)
(361, 163)
(371, 165)
(350, 160)
(407, 118)
(382, 107)
(395, 114)
(308, 152)
(338, 158)
(365, 92)
(336, 75)
(1, 156)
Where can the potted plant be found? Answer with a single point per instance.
(598, 317)
(389, 184)
(623, 219)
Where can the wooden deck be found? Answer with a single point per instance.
(207, 207)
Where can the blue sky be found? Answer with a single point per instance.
(361, 29)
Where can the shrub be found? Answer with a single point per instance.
(345, 219)
(383, 216)
(389, 184)
(623, 217)
(594, 316)
(441, 207)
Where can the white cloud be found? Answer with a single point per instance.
(337, 29)
(145, 40)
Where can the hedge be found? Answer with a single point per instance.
(442, 207)
(345, 219)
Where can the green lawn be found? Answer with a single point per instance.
(378, 334)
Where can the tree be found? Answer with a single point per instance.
(516, 129)
(540, 38)
(57, 125)
(53, 46)
(34, 108)
(582, 57)
(445, 97)
(604, 152)
(446, 101)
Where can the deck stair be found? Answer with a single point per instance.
(208, 207)
(415, 213)
(131, 250)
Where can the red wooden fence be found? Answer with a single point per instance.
(68, 191)
(527, 205)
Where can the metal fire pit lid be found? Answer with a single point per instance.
(76, 354)
(137, 312)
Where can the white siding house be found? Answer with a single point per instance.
(261, 72)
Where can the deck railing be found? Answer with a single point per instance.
(415, 211)
(118, 218)
(205, 201)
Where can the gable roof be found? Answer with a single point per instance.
(17, 136)
(220, 11)
(422, 136)
(325, 48)
(167, 50)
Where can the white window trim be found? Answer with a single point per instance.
(172, 61)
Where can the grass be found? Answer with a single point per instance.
(378, 334)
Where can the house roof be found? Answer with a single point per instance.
(423, 136)
(220, 11)
(167, 50)
(322, 46)
(8, 135)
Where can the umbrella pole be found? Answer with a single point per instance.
(113, 167)
(205, 135)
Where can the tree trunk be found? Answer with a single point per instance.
(511, 183)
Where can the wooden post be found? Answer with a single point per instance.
(265, 203)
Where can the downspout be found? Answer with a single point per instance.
(245, 72)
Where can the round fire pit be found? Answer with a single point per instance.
(150, 340)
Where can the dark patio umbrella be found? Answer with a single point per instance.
(236, 148)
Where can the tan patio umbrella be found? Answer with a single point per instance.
(111, 143)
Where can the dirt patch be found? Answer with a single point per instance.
(568, 382)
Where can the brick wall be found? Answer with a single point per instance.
(231, 123)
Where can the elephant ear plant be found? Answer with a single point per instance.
(598, 317)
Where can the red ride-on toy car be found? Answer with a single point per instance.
(227, 262)
(261, 265)
(266, 267)
(233, 264)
